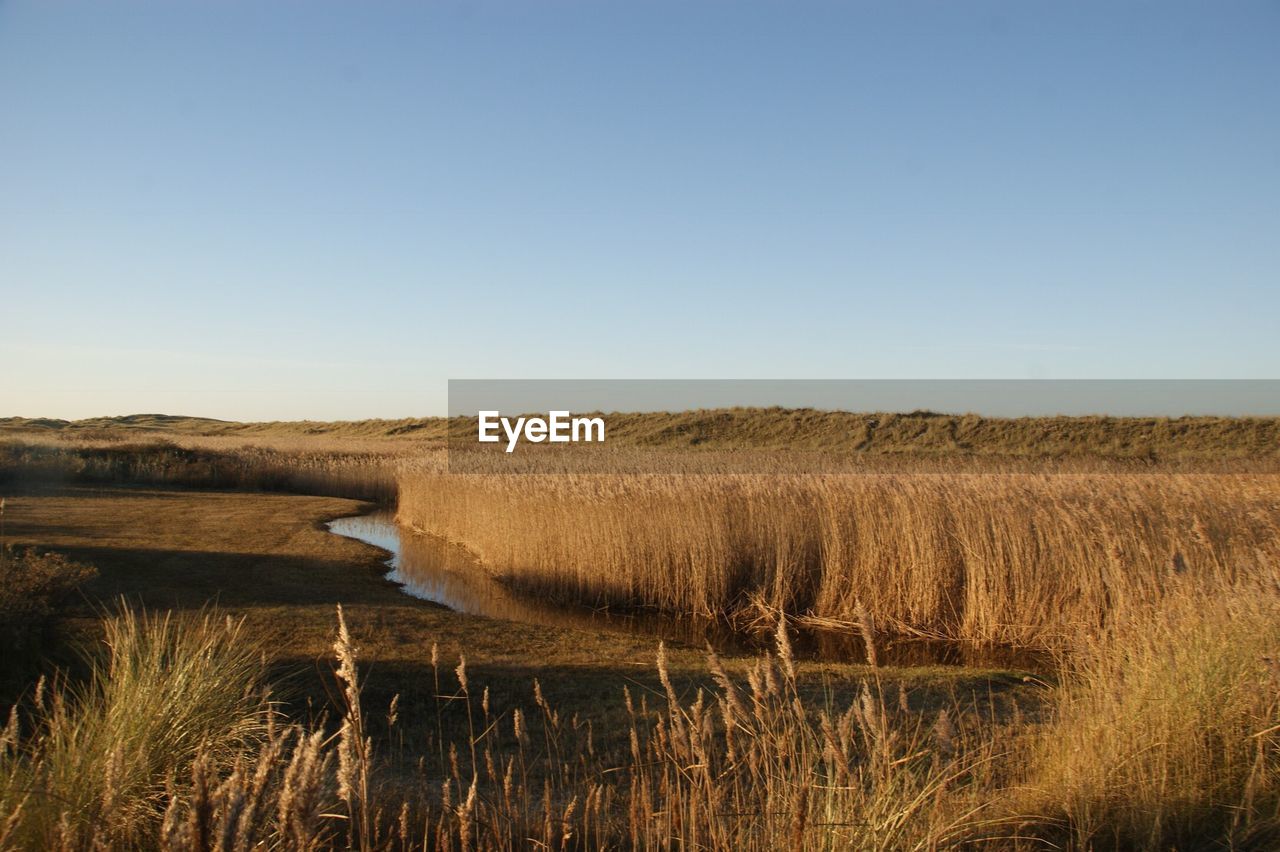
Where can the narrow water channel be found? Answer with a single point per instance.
(429, 568)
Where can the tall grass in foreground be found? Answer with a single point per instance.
(1029, 560)
(173, 747)
(91, 766)
(1167, 733)
(1164, 738)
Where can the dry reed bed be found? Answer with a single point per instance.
(1164, 738)
(746, 766)
(317, 468)
(1164, 734)
(1035, 561)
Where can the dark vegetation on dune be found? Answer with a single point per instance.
(1153, 438)
(148, 459)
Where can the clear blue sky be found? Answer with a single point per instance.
(324, 210)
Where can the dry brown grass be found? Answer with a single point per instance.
(327, 467)
(1165, 733)
(90, 766)
(745, 766)
(1025, 560)
(1166, 743)
(1161, 589)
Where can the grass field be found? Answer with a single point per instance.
(266, 559)
(400, 724)
(1026, 560)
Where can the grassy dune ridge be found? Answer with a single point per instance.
(772, 428)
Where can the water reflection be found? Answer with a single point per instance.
(430, 568)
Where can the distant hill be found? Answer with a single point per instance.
(920, 432)
(208, 426)
(163, 422)
(928, 432)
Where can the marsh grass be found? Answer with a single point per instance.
(307, 468)
(173, 745)
(1025, 560)
(1166, 732)
(1158, 591)
(89, 764)
(1161, 737)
